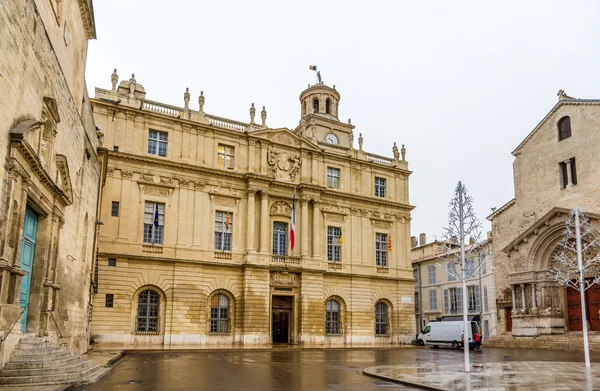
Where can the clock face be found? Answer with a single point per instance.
(331, 139)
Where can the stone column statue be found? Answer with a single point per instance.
(263, 116)
(132, 83)
(114, 79)
(360, 142)
(395, 152)
(403, 151)
(252, 114)
(351, 139)
(201, 101)
(186, 98)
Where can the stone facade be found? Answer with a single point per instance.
(222, 192)
(438, 294)
(555, 168)
(49, 173)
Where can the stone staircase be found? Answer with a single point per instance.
(38, 362)
(572, 340)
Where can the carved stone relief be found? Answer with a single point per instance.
(156, 191)
(381, 224)
(334, 218)
(284, 278)
(224, 201)
(281, 208)
(283, 165)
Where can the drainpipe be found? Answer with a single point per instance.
(103, 155)
(420, 300)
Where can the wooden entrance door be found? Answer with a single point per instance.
(508, 315)
(574, 309)
(281, 325)
(27, 251)
(592, 301)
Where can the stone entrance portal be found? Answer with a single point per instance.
(281, 325)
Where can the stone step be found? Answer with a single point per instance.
(56, 378)
(33, 345)
(39, 351)
(72, 359)
(78, 366)
(40, 357)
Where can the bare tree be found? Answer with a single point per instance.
(463, 227)
(577, 261)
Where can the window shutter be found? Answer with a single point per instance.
(478, 298)
(459, 300)
(446, 308)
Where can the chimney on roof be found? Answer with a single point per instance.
(422, 239)
(471, 241)
(454, 239)
(413, 241)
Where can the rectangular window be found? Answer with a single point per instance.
(280, 243)
(432, 300)
(483, 261)
(157, 143)
(451, 271)
(112, 262)
(564, 176)
(573, 172)
(226, 156)
(334, 245)
(154, 222)
(469, 269)
(381, 244)
(473, 300)
(453, 300)
(333, 178)
(485, 299)
(431, 274)
(416, 275)
(223, 230)
(116, 148)
(115, 209)
(379, 187)
(109, 300)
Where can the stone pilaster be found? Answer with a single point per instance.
(316, 229)
(304, 219)
(250, 221)
(264, 222)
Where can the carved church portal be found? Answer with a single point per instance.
(281, 325)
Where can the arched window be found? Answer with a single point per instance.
(328, 106)
(564, 128)
(381, 318)
(485, 299)
(147, 318)
(316, 105)
(332, 318)
(219, 314)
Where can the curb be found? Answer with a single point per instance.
(403, 382)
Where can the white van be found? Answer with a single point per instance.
(447, 333)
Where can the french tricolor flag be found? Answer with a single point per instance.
(293, 224)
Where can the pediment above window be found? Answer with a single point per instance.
(63, 178)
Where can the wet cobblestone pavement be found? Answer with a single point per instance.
(316, 369)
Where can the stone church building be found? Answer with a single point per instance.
(198, 215)
(49, 174)
(555, 168)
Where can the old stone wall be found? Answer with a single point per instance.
(37, 68)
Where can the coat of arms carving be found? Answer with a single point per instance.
(283, 165)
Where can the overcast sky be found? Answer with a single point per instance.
(460, 83)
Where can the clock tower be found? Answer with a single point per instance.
(319, 120)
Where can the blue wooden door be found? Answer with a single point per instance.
(27, 250)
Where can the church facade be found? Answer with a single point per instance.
(222, 232)
(555, 168)
(49, 173)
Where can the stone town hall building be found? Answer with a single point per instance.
(197, 215)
